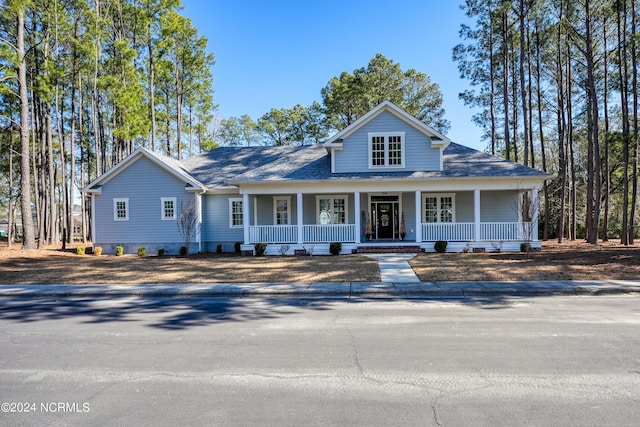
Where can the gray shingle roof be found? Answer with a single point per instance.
(224, 166)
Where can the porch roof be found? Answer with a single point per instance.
(313, 163)
(227, 167)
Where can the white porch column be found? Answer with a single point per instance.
(300, 219)
(356, 202)
(198, 197)
(418, 216)
(245, 217)
(476, 213)
(534, 213)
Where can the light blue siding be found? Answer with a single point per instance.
(216, 225)
(499, 206)
(144, 184)
(419, 156)
(464, 206)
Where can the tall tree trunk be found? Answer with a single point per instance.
(623, 77)
(634, 83)
(605, 108)
(492, 94)
(573, 220)
(28, 237)
(523, 87)
(547, 206)
(505, 82)
(594, 183)
(152, 102)
(562, 164)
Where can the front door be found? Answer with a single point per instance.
(385, 220)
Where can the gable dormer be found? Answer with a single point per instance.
(386, 139)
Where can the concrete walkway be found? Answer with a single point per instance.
(395, 268)
(330, 289)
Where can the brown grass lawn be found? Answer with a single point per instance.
(573, 260)
(567, 261)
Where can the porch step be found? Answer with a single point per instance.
(389, 249)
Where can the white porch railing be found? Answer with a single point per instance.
(311, 233)
(465, 231)
(506, 231)
(273, 234)
(454, 231)
(329, 233)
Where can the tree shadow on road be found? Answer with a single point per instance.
(179, 313)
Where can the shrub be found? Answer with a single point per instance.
(237, 247)
(97, 250)
(219, 249)
(440, 246)
(119, 250)
(161, 251)
(183, 250)
(142, 251)
(335, 248)
(80, 250)
(284, 249)
(260, 248)
(525, 247)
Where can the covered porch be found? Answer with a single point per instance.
(489, 219)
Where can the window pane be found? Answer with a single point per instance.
(431, 209)
(377, 151)
(121, 209)
(395, 151)
(169, 211)
(282, 212)
(339, 211)
(324, 216)
(446, 209)
(236, 213)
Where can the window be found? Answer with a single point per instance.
(168, 208)
(121, 209)
(332, 209)
(386, 150)
(439, 208)
(235, 213)
(281, 210)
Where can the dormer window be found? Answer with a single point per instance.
(386, 150)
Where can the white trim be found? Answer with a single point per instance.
(159, 160)
(94, 238)
(398, 112)
(439, 197)
(300, 216)
(476, 213)
(275, 209)
(245, 217)
(163, 210)
(418, 212)
(331, 197)
(117, 200)
(231, 202)
(386, 136)
(356, 206)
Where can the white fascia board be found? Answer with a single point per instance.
(402, 185)
(398, 112)
(130, 159)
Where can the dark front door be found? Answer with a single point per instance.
(385, 220)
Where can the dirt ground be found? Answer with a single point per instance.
(571, 260)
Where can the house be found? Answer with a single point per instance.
(386, 182)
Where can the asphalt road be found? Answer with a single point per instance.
(197, 361)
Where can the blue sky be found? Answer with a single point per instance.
(279, 53)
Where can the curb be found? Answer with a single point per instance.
(328, 289)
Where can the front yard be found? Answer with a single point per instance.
(570, 261)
